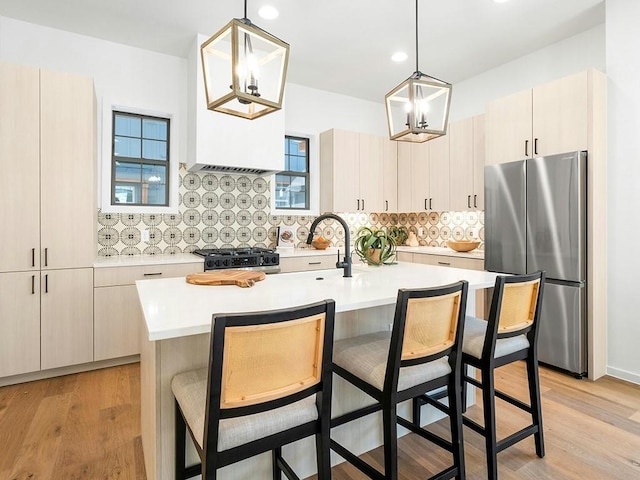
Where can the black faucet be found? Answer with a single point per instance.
(346, 263)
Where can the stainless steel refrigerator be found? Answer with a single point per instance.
(535, 219)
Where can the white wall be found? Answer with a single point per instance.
(623, 70)
(124, 76)
(571, 55)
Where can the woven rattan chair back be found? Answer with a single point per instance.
(256, 368)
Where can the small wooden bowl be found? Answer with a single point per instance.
(320, 245)
(462, 245)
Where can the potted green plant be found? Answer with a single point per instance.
(375, 246)
(398, 233)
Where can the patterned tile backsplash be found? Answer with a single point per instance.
(218, 210)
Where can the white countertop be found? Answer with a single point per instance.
(479, 254)
(173, 308)
(308, 252)
(140, 260)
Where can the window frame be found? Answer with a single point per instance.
(295, 173)
(105, 126)
(312, 178)
(142, 161)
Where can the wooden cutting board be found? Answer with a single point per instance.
(242, 278)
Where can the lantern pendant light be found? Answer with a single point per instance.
(418, 108)
(244, 69)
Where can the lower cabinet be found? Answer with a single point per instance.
(454, 262)
(19, 323)
(118, 317)
(46, 320)
(66, 318)
(311, 262)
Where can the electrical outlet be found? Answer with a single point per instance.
(420, 231)
(145, 235)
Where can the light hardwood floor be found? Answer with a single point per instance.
(87, 427)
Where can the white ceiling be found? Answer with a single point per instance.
(342, 46)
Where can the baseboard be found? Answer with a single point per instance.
(624, 375)
(58, 372)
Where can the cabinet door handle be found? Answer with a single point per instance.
(363, 204)
(358, 207)
(425, 204)
(386, 203)
(430, 203)
(475, 201)
(155, 274)
(33, 257)
(444, 263)
(526, 148)
(535, 146)
(315, 263)
(46, 283)
(46, 257)
(33, 284)
(469, 201)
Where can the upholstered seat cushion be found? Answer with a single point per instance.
(190, 390)
(475, 330)
(366, 357)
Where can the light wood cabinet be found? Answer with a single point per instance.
(118, 321)
(550, 118)
(439, 175)
(20, 166)
(48, 216)
(66, 317)
(357, 172)
(390, 175)
(423, 176)
(466, 159)
(453, 262)
(47, 143)
(19, 323)
(311, 262)
(68, 170)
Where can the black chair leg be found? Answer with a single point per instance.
(489, 405)
(455, 420)
(323, 453)
(276, 454)
(416, 404)
(389, 427)
(536, 403)
(180, 443)
(463, 387)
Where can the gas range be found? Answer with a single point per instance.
(248, 258)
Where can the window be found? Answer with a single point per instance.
(292, 184)
(140, 160)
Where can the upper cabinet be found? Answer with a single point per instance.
(357, 172)
(466, 163)
(20, 164)
(550, 118)
(47, 142)
(67, 170)
(423, 175)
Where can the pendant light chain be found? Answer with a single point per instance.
(416, 36)
(245, 9)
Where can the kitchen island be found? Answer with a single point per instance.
(177, 319)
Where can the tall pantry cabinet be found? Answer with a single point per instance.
(47, 156)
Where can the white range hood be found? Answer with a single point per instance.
(223, 143)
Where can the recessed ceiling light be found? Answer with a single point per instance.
(268, 12)
(500, 1)
(399, 57)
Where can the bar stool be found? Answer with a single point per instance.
(422, 353)
(510, 334)
(268, 384)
